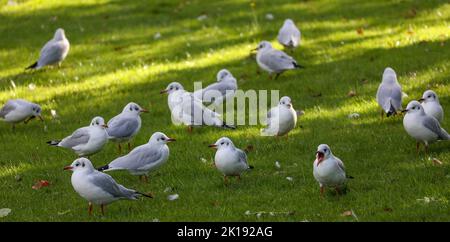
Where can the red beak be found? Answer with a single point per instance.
(163, 91)
(105, 126)
(144, 110)
(171, 140)
(319, 156)
(212, 146)
(67, 168)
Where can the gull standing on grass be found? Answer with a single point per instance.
(224, 89)
(19, 110)
(229, 160)
(143, 159)
(273, 60)
(289, 35)
(123, 127)
(96, 187)
(281, 119)
(422, 127)
(389, 94)
(329, 170)
(190, 111)
(431, 105)
(53, 52)
(87, 140)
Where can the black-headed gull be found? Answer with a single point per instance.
(87, 140)
(223, 90)
(19, 110)
(422, 127)
(431, 105)
(389, 94)
(281, 119)
(143, 159)
(289, 35)
(190, 111)
(54, 51)
(97, 187)
(229, 160)
(123, 127)
(329, 170)
(274, 61)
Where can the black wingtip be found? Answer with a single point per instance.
(145, 195)
(224, 125)
(298, 66)
(102, 168)
(350, 177)
(251, 167)
(53, 142)
(32, 66)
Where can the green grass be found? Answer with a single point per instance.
(114, 59)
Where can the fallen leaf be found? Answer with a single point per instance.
(247, 212)
(269, 16)
(277, 165)
(289, 178)
(40, 184)
(387, 209)
(249, 148)
(347, 213)
(18, 178)
(351, 93)
(4, 212)
(173, 197)
(360, 31)
(353, 115)
(411, 13)
(437, 162)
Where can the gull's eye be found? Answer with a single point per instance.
(162, 138)
(325, 150)
(77, 164)
(222, 143)
(131, 108)
(136, 108)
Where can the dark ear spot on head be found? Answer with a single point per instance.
(83, 164)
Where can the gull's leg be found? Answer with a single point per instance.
(129, 146)
(90, 209)
(225, 180)
(322, 190)
(119, 148)
(277, 75)
(338, 191)
(239, 177)
(189, 129)
(102, 207)
(426, 149)
(382, 114)
(146, 178)
(417, 147)
(14, 127)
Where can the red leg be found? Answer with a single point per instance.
(225, 180)
(239, 177)
(322, 190)
(129, 146)
(146, 178)
(189, 129)
(382, 114)
(119, 149)
(90, 209)
(103, 209)
(426, 149)
(338, 191)
(417, 147)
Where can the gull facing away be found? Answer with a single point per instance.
(223, 90)
(143, 159)
(328, 170)
(289, 35)
(422, 127)
(229, 160)
(97, 187)
(190, 111)
(123, 127)
(389, 94)
(280, 119)
(274, 61)
(19, 110)
(87, 140)
(53, 52)
(431, 105)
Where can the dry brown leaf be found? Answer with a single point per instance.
(40, 184)
(360, 31)
(347, 213)
(351, 93)
(437, 162)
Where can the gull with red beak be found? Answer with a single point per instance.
(422, 127)
(188, 110)
(19, 110)
(280, 119)
(143, 159)
(53, 52)
(431, 105)
(229, 160)
(123, 127)
(96, 187)
(328, 170)
(87, 140)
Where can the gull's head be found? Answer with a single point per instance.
(429, 96)
(264, 45)
(222, 74)
(414, 107)
(389, 75)
(134, 108)
(80, 164)
(98, 122)
(172, 87)
(223, 142)
(160, 138)
(36, 111)
(323, 152)
(59, 34)
(286, 102)
(288, 22)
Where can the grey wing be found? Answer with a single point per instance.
(80, 136)
(51, 53)
(433, 124)
(387, 95)
(340, 164)
(107, 184)
(139, 158)
(277, 60)
(286, 34)
(242, 156)
(9, 106)
(119, 127)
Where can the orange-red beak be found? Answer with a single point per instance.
(171, 140)
(68, 168)
(319, 156)
(144, 110)
(212, 146)
(163, 91)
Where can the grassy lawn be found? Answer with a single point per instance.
(115, 59)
